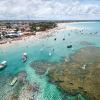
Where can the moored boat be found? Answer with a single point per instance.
(84, 66)
(69, 46)
(3, 64)
(24, 57)
(13, 81)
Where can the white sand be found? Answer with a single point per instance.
(39, 35)
(65, 26)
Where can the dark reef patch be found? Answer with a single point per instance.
(81, 75)
(41, 67)
(73, 78)
(22, 89)
(85, 43)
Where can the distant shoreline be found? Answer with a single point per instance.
(39, 35)
(35, 21)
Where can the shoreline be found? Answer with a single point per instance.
(39, 35)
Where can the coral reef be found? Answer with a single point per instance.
(73, 78)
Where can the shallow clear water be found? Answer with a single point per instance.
(13, 54)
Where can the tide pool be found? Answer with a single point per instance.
(40, 50)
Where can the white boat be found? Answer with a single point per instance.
(25, 54)
(24, 57)
(3, 64)
(84, 67)
(66, 60)
(13, 81)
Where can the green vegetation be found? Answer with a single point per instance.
(42, 26)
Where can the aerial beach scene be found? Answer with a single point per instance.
(49, 50)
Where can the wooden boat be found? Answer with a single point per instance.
(13, 81)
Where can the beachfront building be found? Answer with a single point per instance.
(14, 30)
(10, 30)
(25, 29)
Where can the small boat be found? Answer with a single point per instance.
(69, 46)
(25, 54)
(24, 57)
(3, 64)
(13, 81)
(55, 39)
(66, 60)
(84, 67)
(63, 39)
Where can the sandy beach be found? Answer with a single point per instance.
(65, 26)
(38, 36)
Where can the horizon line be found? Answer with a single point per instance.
(58, 21)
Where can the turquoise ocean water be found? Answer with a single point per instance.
(48, 91)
